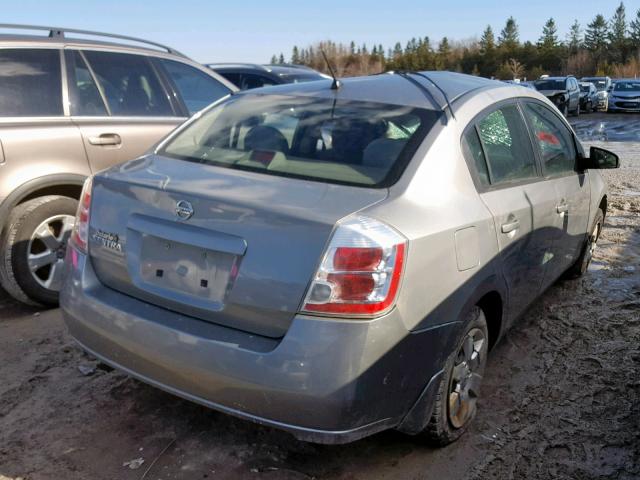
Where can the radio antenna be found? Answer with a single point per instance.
(336, 83)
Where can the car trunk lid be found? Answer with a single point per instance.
(227, 246)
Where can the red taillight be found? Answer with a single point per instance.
(361, 270)
(80, 234)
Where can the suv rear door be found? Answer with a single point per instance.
(511, 186)
(119, 104)
(556, 149)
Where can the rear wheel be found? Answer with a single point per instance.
(459, 389)
(565, 110)
(33, 246)
(582, 263)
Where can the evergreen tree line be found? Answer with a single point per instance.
(605, 47)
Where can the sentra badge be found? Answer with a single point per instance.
(108, 240)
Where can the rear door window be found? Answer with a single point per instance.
(129, 84)
(507, 146)
(196, 88)
(30, 83)
(553, 139)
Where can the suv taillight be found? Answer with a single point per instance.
(360, 272)
(80, 233)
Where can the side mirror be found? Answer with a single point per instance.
(599, 158)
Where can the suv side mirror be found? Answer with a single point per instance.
(599, 158)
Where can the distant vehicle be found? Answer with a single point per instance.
(625, 96)
(246, 76)
(603, 86)
(588, 98)
(70, 107)
(303, 256)
(564, 92)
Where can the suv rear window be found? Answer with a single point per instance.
(30, 84)
(551, 85)
(337, 141)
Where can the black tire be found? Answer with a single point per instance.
(565, 110)
(579, 268)
(19, 244)
(442, 429)
(576, 112)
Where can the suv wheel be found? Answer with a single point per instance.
(459, 388)
(565, 110)
(32, 249)
(577, 112)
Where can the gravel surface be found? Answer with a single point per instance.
(561, 398)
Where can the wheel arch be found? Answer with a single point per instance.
(65, 184)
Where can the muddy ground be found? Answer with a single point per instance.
(561, 398)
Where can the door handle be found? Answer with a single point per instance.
(514, 224)
(562, 208)
(106, 139)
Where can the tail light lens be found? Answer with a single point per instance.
(360, 272)
(80, 233)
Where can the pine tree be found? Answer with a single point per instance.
(509, 38)
(549, 38)
(281, 59)
(617, 35)
(487, 40)
(352, 47)
(595, 38)
(444, 52)
(634, 31)
(295, 56)
(274, 60)
(574, 38)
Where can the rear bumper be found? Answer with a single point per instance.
(327, 381)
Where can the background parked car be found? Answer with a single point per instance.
(603, 86)
(625, 96)
(248, 75)
(588, 97)
(68, 108)
(564, 92)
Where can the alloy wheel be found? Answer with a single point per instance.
(46, 250)
(466, 378)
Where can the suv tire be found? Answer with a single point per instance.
(36, 233)
(463, 373)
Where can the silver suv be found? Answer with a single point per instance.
(69, 108)
(335, 259)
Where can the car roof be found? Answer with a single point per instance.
(555, 78)
(280, 69)
(430, 90)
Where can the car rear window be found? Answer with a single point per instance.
(337, 141)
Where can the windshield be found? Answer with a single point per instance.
(550, 85)
(627, 87)
(356, 143)
(599, 83)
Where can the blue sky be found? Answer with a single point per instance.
(212, 31)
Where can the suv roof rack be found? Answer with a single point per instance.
(58, 32)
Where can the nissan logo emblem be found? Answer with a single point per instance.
(184, 210)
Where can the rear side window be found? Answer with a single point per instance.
(129, 84)
(337, 141)
(507, 146)
(30, 83)
(196, 88)
(472, 149)
(554, 140)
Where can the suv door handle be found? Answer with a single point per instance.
(514, 224)
(106, 139)
(562, 208)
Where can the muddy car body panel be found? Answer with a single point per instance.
(279, 334)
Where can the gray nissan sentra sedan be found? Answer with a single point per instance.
(335, 260)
